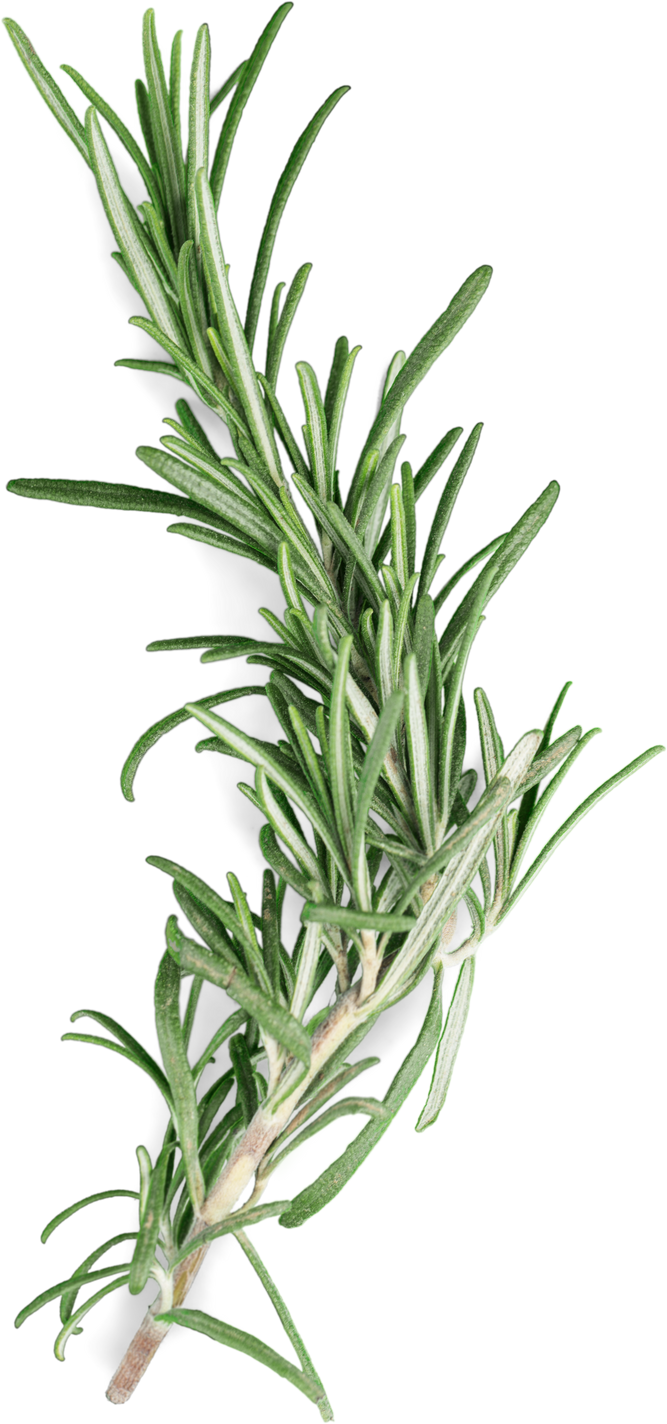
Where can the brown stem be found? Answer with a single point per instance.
(238, 1172)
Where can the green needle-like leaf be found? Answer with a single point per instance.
(198, 123)
(167, 724)
(237, 1339)
(165, 134)
(331, 1182)
(144, 1251)
(371, 771)
(232, 332)
(271, 1016)
(278, 334)
(246, 1087)
(78, 1206)
(221, 909)
(466, 568)
(443, 513)
(177, 1068)
(251, 750)
(339, 765)
(573, 821)
(127, 1046)
(317, 439)
(125, 227)
(448, 1046)
(286, 183)
(73, 1283)
(349, 918)
(122, 132)
(49, 90)
(419, 755)
(245, 85)
(71, 1326)
(419, 362)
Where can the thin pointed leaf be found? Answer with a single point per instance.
(127, 1046)
(339, 769)
(232, 332)
(371, 771)
(395, 365)
(452, 885)
(331, 1181)
(349, 918)
(209, 927)
(445, 507)
(286, 182)
(507, 555)
(167, 724)
(175, 83)
(449, 774)
(306, 969)
(124, 1053)
(272, 355)
(165, 135)
(384, 670)
(448, 1046)
(423, 639)
(231, 1224)
(98, 494)
(83, 1275)
(230, 1026)
(53, 1292)
(144, 1251)
(375, 498)
(253, 952)
(346, 540)
(222, 473)
(492, 747)
(222, 542)
(122, 132)
(74, 1282)
(227, 87)
(124, 224)
(244, 87)
(419, 362)
(78, 1206)
(177, 1068)
(310, 761)
(317, 440)
(287, 580)
(408, 489)
(466, 569)
(286, 1321)
(283, 428)
(246, 1087)
(300, 537)
(193, 430)
(573, 820)
(259, 755)
(271, 1016)
(237, 1339)
(399, 539)
(316, 1097)
(189, 310)
(546, 763)
(198, 123)
(276, 343)
(335, 420)
(402, 645)
(205, 388)
(252, 521)
(348, 1106)
(418, 754)
(271, 932)
(358, 489)
(221, 910)
(49, 90)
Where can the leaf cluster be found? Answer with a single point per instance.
(366, 802)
